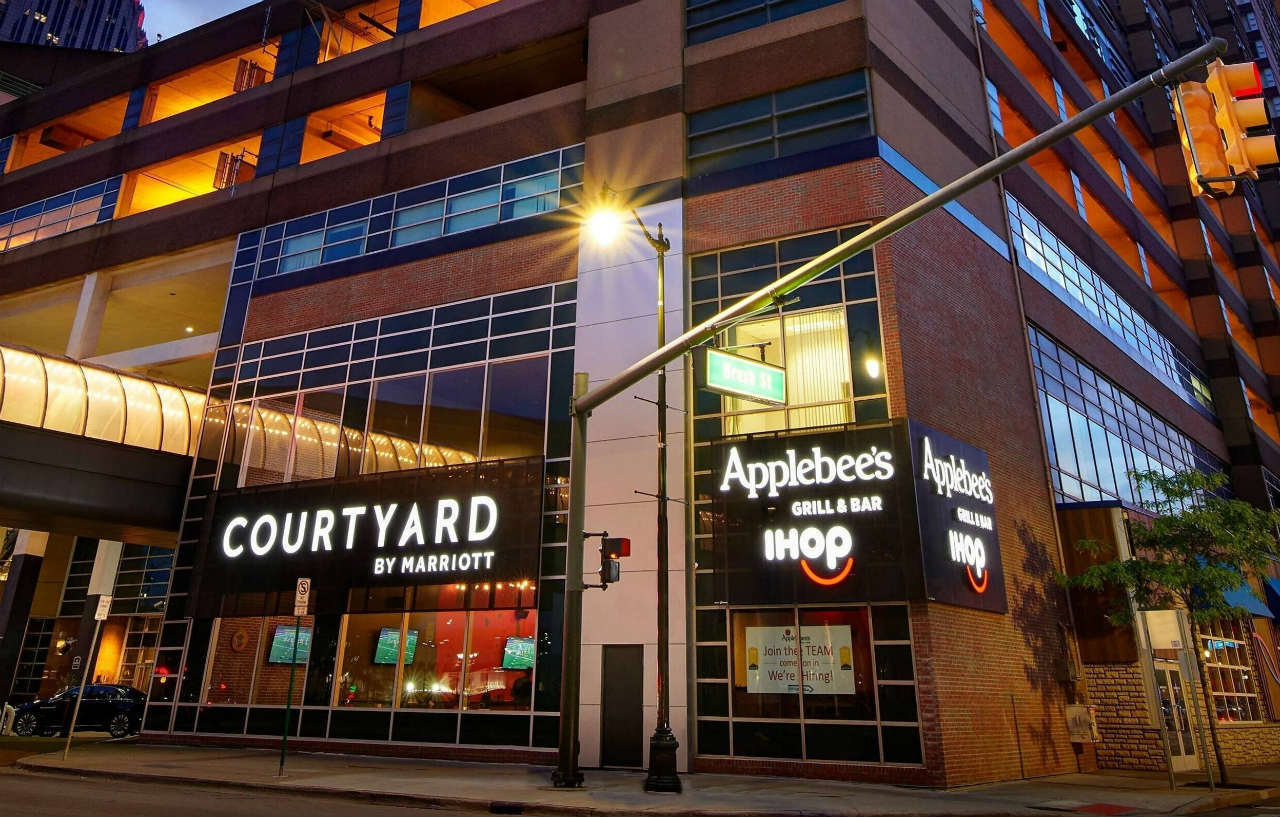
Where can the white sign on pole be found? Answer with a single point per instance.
(104, 607)
(301, 597)
(776, 660)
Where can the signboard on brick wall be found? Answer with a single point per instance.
(863, 513)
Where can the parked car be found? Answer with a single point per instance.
(106, 707)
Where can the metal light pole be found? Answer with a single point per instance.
(662, 743)
(584, 402)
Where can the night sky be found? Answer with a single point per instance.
(172, 17)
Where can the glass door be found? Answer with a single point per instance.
(1177, 721)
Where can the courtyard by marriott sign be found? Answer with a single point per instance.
(896, 511)
(435, 526)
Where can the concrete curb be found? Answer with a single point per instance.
(460, 803)
(1236, 798)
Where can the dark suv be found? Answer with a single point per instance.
(106, 707)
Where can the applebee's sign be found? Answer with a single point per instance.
(823, 491)
(874, 512)
(955, 506)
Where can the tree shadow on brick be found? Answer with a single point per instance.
(1039, 611)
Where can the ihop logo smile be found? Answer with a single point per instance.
(830, 549)
(969, 551)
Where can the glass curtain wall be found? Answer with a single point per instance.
(760, 693)
(808, 683)
(495, 410)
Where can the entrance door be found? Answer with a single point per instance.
(1177, 720)
(622, 706)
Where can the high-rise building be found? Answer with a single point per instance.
(99, 25)
(302, 295)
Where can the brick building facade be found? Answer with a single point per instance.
(360, 258)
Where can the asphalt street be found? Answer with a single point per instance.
(39, 795)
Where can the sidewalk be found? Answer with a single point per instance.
(522, 789)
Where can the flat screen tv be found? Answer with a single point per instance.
(388, 646)
(518, 652)
(282, 645)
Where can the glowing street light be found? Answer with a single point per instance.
(604, 225)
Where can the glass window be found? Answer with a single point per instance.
(516, 418)
(766, 664)
(395, 424)
(235, 651)
(818, 367)
(807, 117)
(1229, 668)
(53, 216)
(709, 19)
(355, 411)
(285, 648)
(839, 682)
(537, 184)
(316, 433)
(500, 657)
(420, 213)
(1046, 258)
(433, 669)
(454, 408)
(266, 455)
(816, 354)
(1096, 434)
(142, 579)
(471, 220)
(370, 651)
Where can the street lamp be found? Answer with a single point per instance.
(605, 225)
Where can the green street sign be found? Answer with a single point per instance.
(739, 376)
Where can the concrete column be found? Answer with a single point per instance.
(89, 311)
(617, 309)
(106, 562)
(15, 603)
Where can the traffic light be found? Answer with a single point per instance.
(1203, 150)
(611, 548)
(1213, 121)
(1227, 84)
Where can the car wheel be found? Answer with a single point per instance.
(26, 725)
(120, 725)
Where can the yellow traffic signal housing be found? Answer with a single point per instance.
(1203, 148)
(1234, 116)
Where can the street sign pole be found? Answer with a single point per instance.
(104, 607)
(301, 598)
(288, 702)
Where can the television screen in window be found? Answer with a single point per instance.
(282, 645)
(518, 653)
(388, 646)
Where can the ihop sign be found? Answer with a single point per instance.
(956, 518)
(863, 513)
